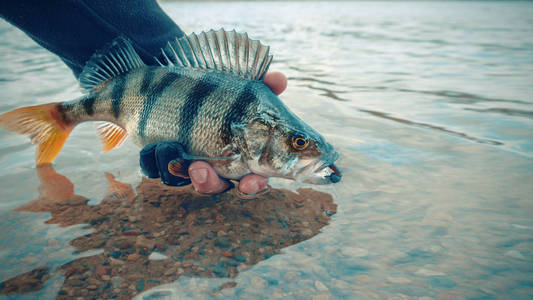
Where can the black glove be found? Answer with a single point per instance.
(164, 159)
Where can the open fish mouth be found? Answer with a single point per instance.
(336, 175)
(329, 172)
(325, 173)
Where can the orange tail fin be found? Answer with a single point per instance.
(45, 126)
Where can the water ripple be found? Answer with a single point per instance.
(463, 97)
(312, 79)
(505, 111)
(328, 93)
(432, 127)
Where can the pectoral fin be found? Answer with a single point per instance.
(197, 157)
(178, 168)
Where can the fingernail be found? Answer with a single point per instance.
(199, 175)
(254, 186)
(251, 188)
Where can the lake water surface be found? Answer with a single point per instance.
(430, 105)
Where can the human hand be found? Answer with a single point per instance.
(154, 160)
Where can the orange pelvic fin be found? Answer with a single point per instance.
(112, 135)
(44, 124)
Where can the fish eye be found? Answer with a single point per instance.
(299, 142)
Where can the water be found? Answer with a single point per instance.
(429, 104)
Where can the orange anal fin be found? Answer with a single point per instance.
(44, 124)
(111, 135)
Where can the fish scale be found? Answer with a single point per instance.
(208, 95)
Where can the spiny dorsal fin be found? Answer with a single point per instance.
(112, 135)
(116, 58)
(223, 51)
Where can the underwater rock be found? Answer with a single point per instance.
(157, 256)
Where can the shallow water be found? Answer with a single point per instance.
(429, 105)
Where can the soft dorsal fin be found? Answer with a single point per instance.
(112, 135)
(223, 51)
(116, 58)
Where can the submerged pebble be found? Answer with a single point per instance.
(140, 285)
(222, 242)
(157, 256)
(221, 271)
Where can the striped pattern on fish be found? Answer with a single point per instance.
(156, 103)
(218, 108)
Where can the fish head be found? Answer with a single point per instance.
(277, 143)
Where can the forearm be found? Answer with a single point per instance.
(75, 29)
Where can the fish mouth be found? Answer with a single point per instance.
(336, 175)
(329, 172)
(325, 173)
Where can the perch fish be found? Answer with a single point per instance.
(208, 94)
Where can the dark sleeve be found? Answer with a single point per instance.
(75, 29)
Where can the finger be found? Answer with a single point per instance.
(205, 179)
(276, 81)
(147, 161)
(166, 152)
(252, 184)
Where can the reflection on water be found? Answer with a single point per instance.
(429, 105)
(154, 234)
